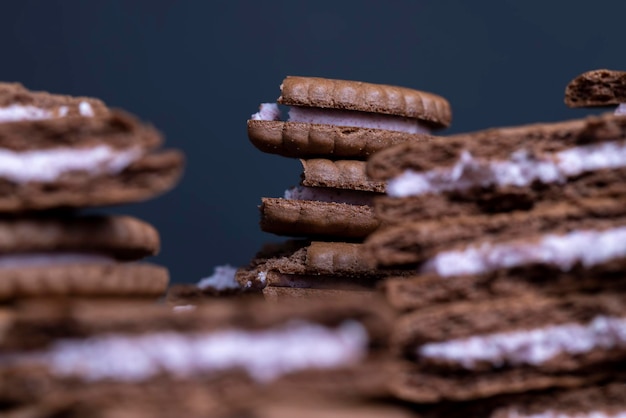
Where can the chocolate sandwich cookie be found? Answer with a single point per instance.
(233, 349)
(58, 151)
(345, 119)
(17, 103)
(503, 169)
(602, 401)
(597, 88)
(470, 351)
(333, 201)
(88, 256)
(528, 237)
(302, 268)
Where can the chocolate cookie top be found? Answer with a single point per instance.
(19, 103)
(365, 97)
(123, 237)
(596, 88)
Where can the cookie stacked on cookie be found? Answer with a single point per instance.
(59, 154)
(333, 126)
(516, 237)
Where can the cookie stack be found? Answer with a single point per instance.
(59, 154)
(517, 240)
(333, 127)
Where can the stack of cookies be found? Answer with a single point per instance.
(516, 238)
(59, 154)
(333, 127)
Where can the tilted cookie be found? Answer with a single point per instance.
(58, 151)
(481, 241)
(512, 345)
(334, 200)
(17, 103)
(78, 256)
(345, 119)
(503, 169)
(315, 265)
(597, 88)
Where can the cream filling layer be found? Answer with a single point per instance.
(521, 169)
(48, 165)
(43, 259)
(557, 414)
(264, 355)
(339, 117)
(330, 195)
(530, 347)
(223, 278)
(15, 113)
(588, 248)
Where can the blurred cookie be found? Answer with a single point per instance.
(478, 350)
(345, 119)
(596, 88)
(77, 256)
(58, 151)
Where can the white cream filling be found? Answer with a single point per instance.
(557, 414)
(521, 170)
(264, 355)
(85, 109)
(223, 278)
(14, 113)
(621, 109)
(563, 251)
(25, 260)
(48, 165)
(339, 117)
(531, 347)
(330, 195)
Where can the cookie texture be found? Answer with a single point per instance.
(305, 140)
(84, 280)
(123, 237)
(341, 174)
(365, 97)
(596, 88)
(307, 218)
(146, 178)
(497, 144)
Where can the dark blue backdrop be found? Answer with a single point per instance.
(198, 69)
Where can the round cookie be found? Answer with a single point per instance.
(596, 88)
(58, 151)
(78, 256)
(345, 119)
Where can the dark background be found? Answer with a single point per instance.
(198, 69)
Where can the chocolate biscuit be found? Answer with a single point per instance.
(596, 88)
(345, 119)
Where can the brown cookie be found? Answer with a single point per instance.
(341, 174)
(310, 218)
(341, 343)
(311, 264)
(527, 143)
(429, 290)
(510, 346)
(17, 102)
(77, 154)
(418, 242)
(596, 88)
(345, 119)
(78, 256)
